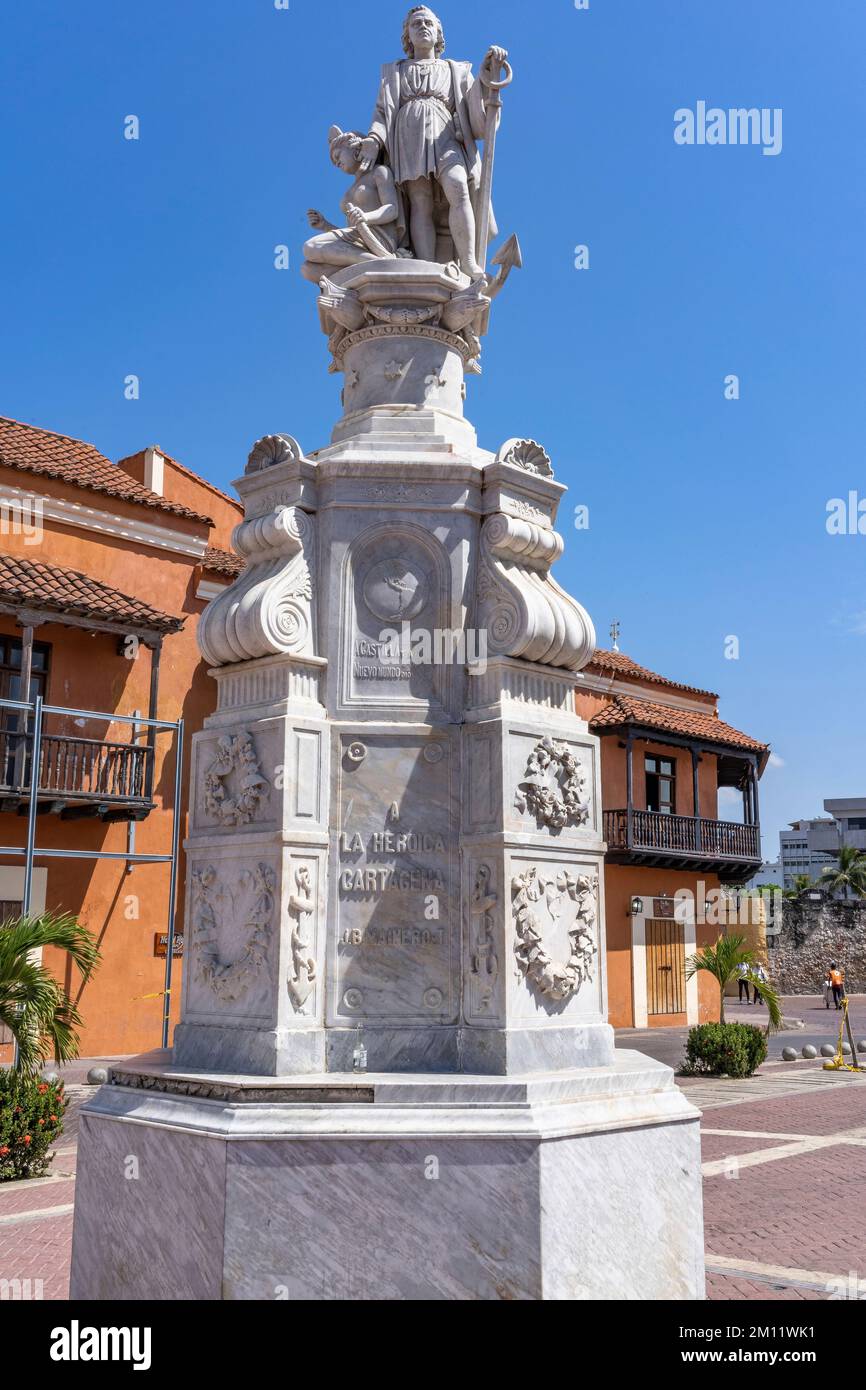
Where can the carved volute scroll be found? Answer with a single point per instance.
(524, 611)
(269, 609)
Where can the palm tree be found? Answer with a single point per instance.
(802, 882)
(848, 874)
(723, 962)
(34, 1006)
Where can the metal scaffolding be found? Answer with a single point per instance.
(31, 851)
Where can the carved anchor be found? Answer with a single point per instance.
(301, 908)
(509, 257)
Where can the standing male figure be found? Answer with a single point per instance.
(428, 117)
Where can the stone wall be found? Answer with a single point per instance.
(811, 935)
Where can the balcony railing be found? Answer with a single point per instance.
(73, 768)
(649, 832)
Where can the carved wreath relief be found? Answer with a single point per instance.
(302, 906)
(221, 912)
(234, 787)
(537, 903)
(555, 788)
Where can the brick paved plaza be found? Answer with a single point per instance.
(784, 1161)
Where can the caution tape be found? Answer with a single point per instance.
(838, 1062)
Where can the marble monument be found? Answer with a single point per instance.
(394, 1077)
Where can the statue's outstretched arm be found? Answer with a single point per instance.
(377, 139)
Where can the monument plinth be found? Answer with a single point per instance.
(395, 894)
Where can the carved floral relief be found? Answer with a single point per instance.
(538, 899)
(231, 927)
(555, 787)
(234, 787)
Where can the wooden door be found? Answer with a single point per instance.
(665, 967)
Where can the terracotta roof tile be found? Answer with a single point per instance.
(33, 450)
(618, 664)
(31, 584)
(222, 562)
(626, 710)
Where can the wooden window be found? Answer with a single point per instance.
(661, 785)
(13, 738)
(10, 670)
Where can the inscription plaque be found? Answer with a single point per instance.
(394, 881)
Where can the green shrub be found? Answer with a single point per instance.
(724, 1049)
(31, 1120)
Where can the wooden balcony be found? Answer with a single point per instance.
(727, 848)
(77, 776)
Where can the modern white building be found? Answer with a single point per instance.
(849, 814)
(811, 845)
(769, 873)
(807, 848)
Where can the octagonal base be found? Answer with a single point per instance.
(574, 1185)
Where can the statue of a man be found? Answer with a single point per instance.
(429, 115)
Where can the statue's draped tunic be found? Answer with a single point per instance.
(425, 140)
(428, 117)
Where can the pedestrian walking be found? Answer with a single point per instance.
(828, 989)
(763, 977)
(743, 981)
(837, 983)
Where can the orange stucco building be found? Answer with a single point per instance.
(104, 569)
(665, 753)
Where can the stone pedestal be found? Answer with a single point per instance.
(394, 1076)
(579, 1185)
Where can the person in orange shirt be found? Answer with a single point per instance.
(837, 983)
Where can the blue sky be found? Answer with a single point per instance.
(707, 516)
